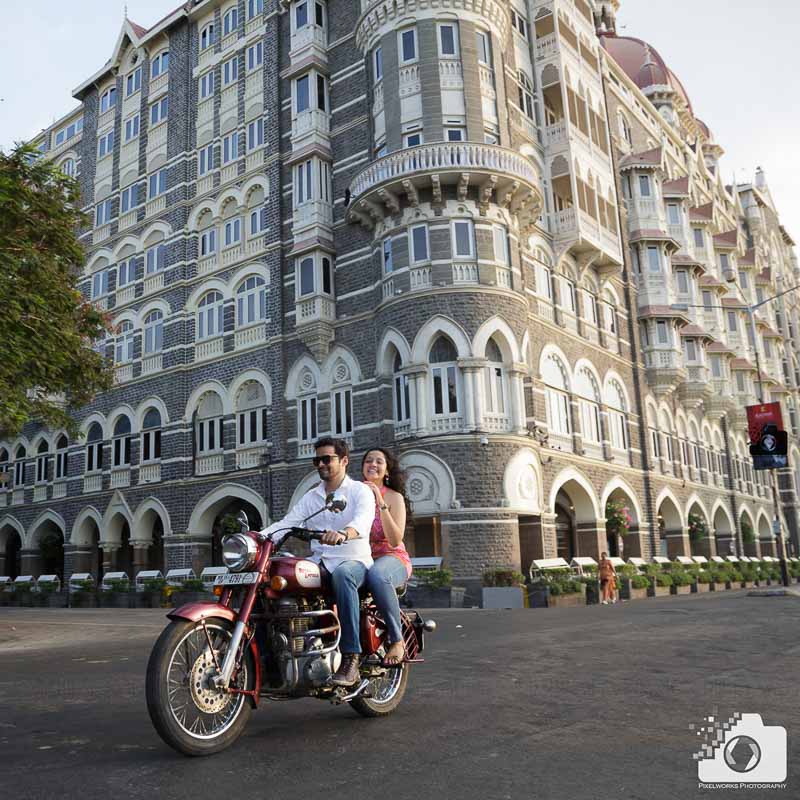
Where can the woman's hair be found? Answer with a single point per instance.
(396, 476)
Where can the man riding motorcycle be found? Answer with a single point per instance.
(344, 550)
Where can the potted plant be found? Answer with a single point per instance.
(748, 535)
(50, 596)
(503, 588)
(117, 595)
(192, 591)
(698, 530)
(660, 583)
(566, 591)
(749, 573)
(151, 595)
(618, 519)
(625, 576)
(681, 581)
(434, 589)
(703, 581)
(22, 594)
(635, 586)
(592, 584)
(736, 579)
(83, 595)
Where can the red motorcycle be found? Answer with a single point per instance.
(273, 634)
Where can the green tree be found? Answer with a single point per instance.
(48, 364)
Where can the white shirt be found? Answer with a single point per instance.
(358, 514)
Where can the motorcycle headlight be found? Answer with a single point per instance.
(238, 552)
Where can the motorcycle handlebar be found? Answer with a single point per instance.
(308, 534)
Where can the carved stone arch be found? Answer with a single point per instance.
(506, 339)
(148, 403)
(310, 480)
(249, 376)
(212, 284)
(431, 330)
(430, 484)
(304, 376)
(31, 541)
(580, 491)
(620, 485)
(522, 482)
(559, 166)
(340, 361)
(142, 527)
(211, 504)
(392, 338)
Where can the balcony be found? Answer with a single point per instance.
(59, 489)
(159, 84)
(120, 477)
(205, 58)
(665, 372)
(93, 482)
(309, 127)
(254, 160)
(154, 283)
(250, 457)
(18, 496)
(496, 424)
(310, 40)
(409, 80)
(40, 493)
(556, 134)
(446, 424)
(305, 449)
(487, 170)
(150, 473)
(315, 213)
(253, 335)
(205, 184)
(209, 464)
(127, 294)
(230, 172)
(402, 429)
(123, 373)
(207, 264)
(546, 47)
(420, 278)
(209, 349)
(230, 255)
(157, 138)
(152, 364)
(101, 234)
(316, 309)
(128, 220)
(155, 206)
(229, 40)
(451, 75)
(697, 387)
(254, 24)
(465, 273)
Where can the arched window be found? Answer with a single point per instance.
(154, 332)
(122, 442)
(494, 381)
(625, 130)
(615, 401)
(556, 397)
(609, 313)
(208, 234)
(251, 414)
(655, 437)
(126, 272)
(255, 205)
(160, 64)
(207, 36)
(307, 407)
(666, 429)
(123, 350)
(19, 466)
(94, 448)
(62, 455)
(42, 459)
(341, 400)
(402, 391)
(695, 439)
(210, 316)
(68, 167)
(3, 467)
(445, 377)
(251, 301)
(230, 22)
(589, 403)
(209, 424)
(151, 435)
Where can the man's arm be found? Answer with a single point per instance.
(361, 524)
(293, 518)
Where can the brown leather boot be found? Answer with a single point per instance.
(347, 674)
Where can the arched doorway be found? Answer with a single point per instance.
(749, 538)
(10, 548)
(724, 537)
(566, 546)
(87, 556)
(580, 527)
(700, 541)
(622, 522)
(766, 537)
(47, 539)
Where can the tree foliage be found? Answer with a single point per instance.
(47, 364)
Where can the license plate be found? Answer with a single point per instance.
(236, 579)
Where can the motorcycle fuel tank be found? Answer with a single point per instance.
(300, 574)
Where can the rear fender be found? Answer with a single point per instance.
(197, 612)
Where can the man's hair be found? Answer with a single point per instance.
(339, 445)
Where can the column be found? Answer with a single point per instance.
(591, 537)
(30, 563)
(140, 557)
(632, 543)
(417, 374)
(469, 399)
(110, 550)
(549, 541)
(516, 375)
(678, 542)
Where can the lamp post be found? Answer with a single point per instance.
(266, 465)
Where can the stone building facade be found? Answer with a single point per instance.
(492, 236)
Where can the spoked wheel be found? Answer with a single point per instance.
(191, 714)
(386, 689)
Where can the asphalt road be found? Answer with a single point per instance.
(558, 703)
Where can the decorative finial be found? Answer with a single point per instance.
(126, 11)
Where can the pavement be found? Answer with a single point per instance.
(548, 703)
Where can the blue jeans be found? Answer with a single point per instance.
(385, 575)
(346, 580)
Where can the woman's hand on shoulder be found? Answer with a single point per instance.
(375, 491)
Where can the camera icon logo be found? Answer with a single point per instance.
(742, 750)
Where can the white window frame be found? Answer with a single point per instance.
(230, 147)
(230, 21)
(255, 134)
(461, 224)
(255, 56)
(558, 417)
(440, 39)
(401, 48)
(377, 64)
(208, 242)
(158, 67)
(133, 82)
(207, 36)
(251, 301)
(341, 408)
(157, 183)
(105, 144)
(205, 160)
(205, 85)
(307, 409)
(129, 199)
(255, 8)
(124, 343)
(230, 71)
(153, 332)
(108, 99)
(155, 258)
(388, 256)
(132, 127)
(232, 232)
(412, 249)
(159, 111)
(210, 316)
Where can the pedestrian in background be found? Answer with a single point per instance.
(608, 580)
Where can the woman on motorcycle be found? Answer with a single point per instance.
(392, 567)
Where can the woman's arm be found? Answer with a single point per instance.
(393, 518)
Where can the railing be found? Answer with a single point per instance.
(504, 277)
(545, 310)
(315, 212)
(402, 429)
(156, 205)
(250, 458)
(697, 374)
(205, 184)
(443, 156)
(486, 79)
(254, 160)
(229, 40)
(310, 122)
(387, 289)
(377, 98)
(128, 220)
(496, 424)
(59, 489)
(120, 477)
(69, 144)
(230, 172)
(101, 234)
(209, 349)
(565, 220)
(316, 308)
(40, 493)
(250, 336)
(207, 264)
(205, 57)
(149, 473)
(305, 449)
(254, 24)
(127, 294)
(205, 111)
(556, 133)
(93, 482)
(159, 83)
(18, 496)
(451, 422)
(100, 303)
(123, 373)
(154, 282)
(450, 74)
(546, 46)
(465, 273)
(409, 80)
(157, 136)
(208, 465)
(523, 123)
(647, 208)
(152, 363)
(307, 36)
(255, 245)
(420, 278)
(232, 254)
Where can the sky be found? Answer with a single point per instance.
(736, 59)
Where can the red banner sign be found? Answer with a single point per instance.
(761, 415)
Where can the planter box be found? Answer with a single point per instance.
(146, 600)
(627, 592)
(566, 600)
(22, 599)
(83, 600)
(702, 587)
(747, 584)
(680, 589)
(502, 597)
(114, 600)
(659, 591)
(428, 597)
(593, 593)
(55, 599)
(537, 597)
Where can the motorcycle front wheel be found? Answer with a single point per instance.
(189, 713)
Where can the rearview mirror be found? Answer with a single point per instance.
(244, 524)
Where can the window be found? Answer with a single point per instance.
(412, 139)
(158, 111)
(233, 232)
(419, 243)
(740, 382)
(644, 333)
(448, 40)
(724, 262)
(42, 459)
(100, 284)
(255, 134)
(131, 127)
(302, 94)
(322, 93)
(68, 167)
(662, 332)
(105, 144)
(308, 419)
(732, 327)
(654, 259)
(483, 46)
(306, 276)
(151, 435)
(208, 242)
(256, 222)
(327, 276)
(157, 184)
(708, 302)
(153, 332)
(62, 458)
(254, 8)
(501, 248)
(130, 198)
(682, 279)
(519, 23)
(544, 285)
(123, 352)
(377, 60)
(455, 134)
(302, 182)
(568, 295)
(716, 367)
(767, 348)
(206, 85)
(388, 265)
(637, 265)
(251, 301)
(134, 82)
(445, 379)
(19, 467)
(590, 307)
(616, 417)
(156, 258)
(589, 404)
(342, 402)
(644, 185)
(402, 392)
(205, 159)
(301, 15)
(230, 22)
(230, 147)
(108, 99)
(698, 237)
(94, 448)
(673, 214)
(207, 37)
(210, 316)
(744, 281)
(463, 239)
(556, 397)
(160, 64)
(65, 134)
(525, 85)
(493, 380)
(255, 56)
(208, 433)
(230, 71)
(126, 272)
(691, 350)
(103, 213)
(408, 45)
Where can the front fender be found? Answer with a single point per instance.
(196, 612)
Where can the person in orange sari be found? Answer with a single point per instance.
(608, 580)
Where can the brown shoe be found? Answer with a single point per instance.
(347, 674)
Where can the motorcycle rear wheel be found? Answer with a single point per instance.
(187, 712)
(386, 693)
